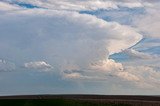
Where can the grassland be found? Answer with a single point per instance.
(54, 102)
(79, 100)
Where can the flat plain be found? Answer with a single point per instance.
(79, 100)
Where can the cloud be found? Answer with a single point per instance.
(112, 69)
(149, 23)
(106, 65)
(102, 70)
(6, 65)
(38, 65)
(78, 45)
(148, 76)
(127, 76)
(78, 5)
(62, 37)
(5, 6)
(131, 4)
(73, 75)
(138, 55)
(140, 76)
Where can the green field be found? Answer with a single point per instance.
(54, 102)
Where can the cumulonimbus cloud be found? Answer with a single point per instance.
(78, 45)
(63, 36)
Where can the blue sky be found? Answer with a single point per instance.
(25, 5)
(79, 47)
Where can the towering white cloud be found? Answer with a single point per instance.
(63, 36)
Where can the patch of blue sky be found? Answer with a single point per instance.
(123, 15)
(156, 40)
(123, 57)
(120, 57)
(149, 45)
(153, 50)
(146, 45)
(25, 5)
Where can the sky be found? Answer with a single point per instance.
(107, 47)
